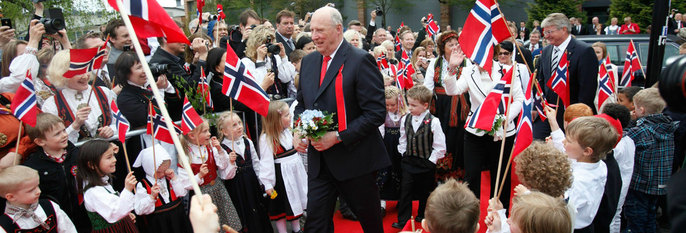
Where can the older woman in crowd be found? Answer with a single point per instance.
(354, 38)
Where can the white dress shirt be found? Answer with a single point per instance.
(587, 191)
(286, 69)
(64, 224)
(240, 149)
(267, 171)
(624, 153)
(91, 123)
(479, 84)
(562, 48)
(145, 203)
(438, 146)
(104, 201)
(199, 155)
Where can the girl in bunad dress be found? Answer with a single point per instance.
(206, 159)
(244, 188)
(281, 169)
(159, 194)
(108, 210)
(388, 179)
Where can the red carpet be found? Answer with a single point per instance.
(345, 226)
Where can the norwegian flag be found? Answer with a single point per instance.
(605, 86)
(85, 60)
(120, 121)
(24, 102)
(559, 81)
(199, 4)
(190, 118)
(431, 27)
(484, 28)
(382, 61)
(158, 128)
(409, 71)
(631, 65)
(525, 135)
(149, 19)
(540, 102)
(240, 85)
(496, 102)
(204, 89)
(220, 12)
(405, 59)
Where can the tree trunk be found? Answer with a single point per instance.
(445, 15)
(361, 9)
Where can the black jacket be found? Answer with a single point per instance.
(179, 78)
(58, 182)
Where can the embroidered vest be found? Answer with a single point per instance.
(148, 187)
(68, 116)
(211, 165)
(9, 226)
(454, 100)
(419, 144)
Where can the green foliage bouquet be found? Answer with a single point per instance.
(314, 124)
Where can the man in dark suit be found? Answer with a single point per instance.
(340, 79)
(583, 68)
(577, 27)
(284, 30)
(522, 28)
(169, 54)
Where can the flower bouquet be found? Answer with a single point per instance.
(314, 124)
(497, 125)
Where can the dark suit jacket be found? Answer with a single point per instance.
(526, 33)
(362, 150)
(583, 73)
(175, 72)
(280, 39)
(581, 31)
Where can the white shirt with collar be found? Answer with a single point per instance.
(438, 146)
(91, 123)
(238, 146)
(287, 40)
(587, 190)
(145, 203)
(562, 47)
(104, 201)
(199, 155)
(64, 224)
(333, 54)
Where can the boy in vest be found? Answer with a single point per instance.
(422, 143)
(24, 211)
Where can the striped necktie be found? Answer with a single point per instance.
(556, 58)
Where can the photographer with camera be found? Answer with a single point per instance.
(238, 36)
(167, 60)
(375, 36)
(266, 60)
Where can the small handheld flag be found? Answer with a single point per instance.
(24, 102)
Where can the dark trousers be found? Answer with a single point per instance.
(360, 192)
(480, 153)
(641, 211)
(414, 186)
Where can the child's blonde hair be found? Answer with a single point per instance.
(536, 212)
(452, 208)
(185, 140)
(650, 100)
(12, 177)
(544, 168)
(223, 118)
(593, 132)
(271, 124)
(393, 92)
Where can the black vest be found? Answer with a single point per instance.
(419, 146)
(8, 224)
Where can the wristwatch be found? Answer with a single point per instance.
(338, 137)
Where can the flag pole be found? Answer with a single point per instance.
(156, 92)
(502, 144)
(16, 148)
(92, 88)
(509, 162)
(233, 140)
(154, 159)
(126, 156)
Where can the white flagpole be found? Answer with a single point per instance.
(158, 98)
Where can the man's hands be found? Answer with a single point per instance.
(327, 141)
(6, 34)
(203, 214)
(300, 143)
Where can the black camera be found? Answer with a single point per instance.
(158, 69)
(126, 48)
(213, 17)
(53, 21)
(378, 10)
(272, 48)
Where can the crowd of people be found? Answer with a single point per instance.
(594, 166)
